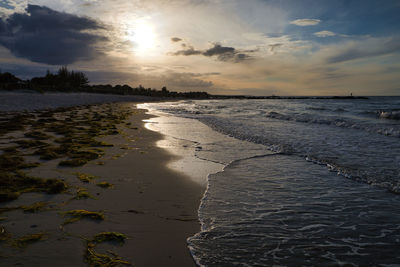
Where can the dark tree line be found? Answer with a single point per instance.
(74, 81)
(63, 80)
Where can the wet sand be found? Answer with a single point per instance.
(154, 206)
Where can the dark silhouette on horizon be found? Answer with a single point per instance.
(75, 81)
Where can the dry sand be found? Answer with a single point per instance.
(153, 205)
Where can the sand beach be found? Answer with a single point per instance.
(99, 190)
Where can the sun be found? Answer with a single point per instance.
(143, 36)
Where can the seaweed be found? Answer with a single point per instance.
(26, 240)
(30, 143)
(105, 185)
(77, 145)
(97, 260)
(76, 215)
(14, 184)
(15, 123)
(94, 258)
(35, 207)
(80, 158)
(109, 236)
(37, 135)
(11, 162)
(48, 153)
(84, 177)
(82, 193)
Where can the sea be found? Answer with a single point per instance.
(292, 182)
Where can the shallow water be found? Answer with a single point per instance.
(305, 181)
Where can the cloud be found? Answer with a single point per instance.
(364, 49)
(47, 36)
(180, 81)
(176, 39)
(305, 22)
(185, 80)
(223, 53)
(324, 34)
(188, 52)
(273, 47)
(218, 50)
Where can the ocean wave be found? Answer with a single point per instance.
(391, 115)
(342, 122)
(317, 108)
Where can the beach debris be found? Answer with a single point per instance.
(48, 153)
(15, 123)
(84, 177)
(38, 135)
(76, 215)
(35, 207)
(30, 143)
(82, 193)
(105, 185)
(26, 240)
(13, 162)
(94, 258)
(109, 236)
(13, 184)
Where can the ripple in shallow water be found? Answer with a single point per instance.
(285, 211)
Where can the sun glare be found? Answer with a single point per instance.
(143, 37)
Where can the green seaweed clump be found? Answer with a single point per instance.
(12, 185)
(84, 177)
(111, 259)
(29, 239)
(108, 236)
(15, 123)
(48, 153)
(37, 135)
(105, 185)
(30, 143)
(35, 207)
(82, 193)
(80, 158)
(13, 162)
(77, 215)
(95, 259)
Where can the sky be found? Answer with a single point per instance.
(252, 47)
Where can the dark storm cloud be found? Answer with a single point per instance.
(47, 36)
(219, 50)
(188, 52)
(223, 53)
(176, 39)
